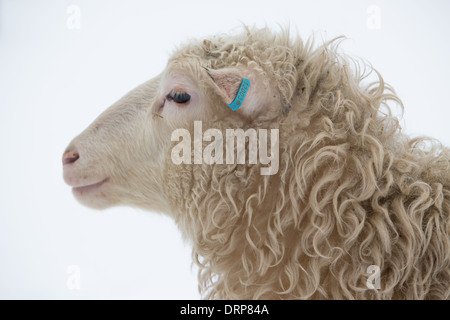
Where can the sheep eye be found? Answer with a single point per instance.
(178, 97)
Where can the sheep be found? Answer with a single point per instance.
(353, 199)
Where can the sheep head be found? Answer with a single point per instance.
(123, 157)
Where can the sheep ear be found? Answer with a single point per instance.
(245, 93)
(227, 82)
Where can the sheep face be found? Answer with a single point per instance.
(102, 163)
(121, 158)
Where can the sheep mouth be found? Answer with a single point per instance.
(89, 188)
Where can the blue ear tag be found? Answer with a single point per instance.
(245, 85)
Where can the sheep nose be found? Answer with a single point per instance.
(70, 157)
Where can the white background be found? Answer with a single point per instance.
(55, 79)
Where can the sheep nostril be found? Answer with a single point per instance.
(70, 157)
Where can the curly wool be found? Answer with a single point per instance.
(352, 191)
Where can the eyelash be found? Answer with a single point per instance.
(178, 97)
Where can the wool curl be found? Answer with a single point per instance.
(352, 190)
